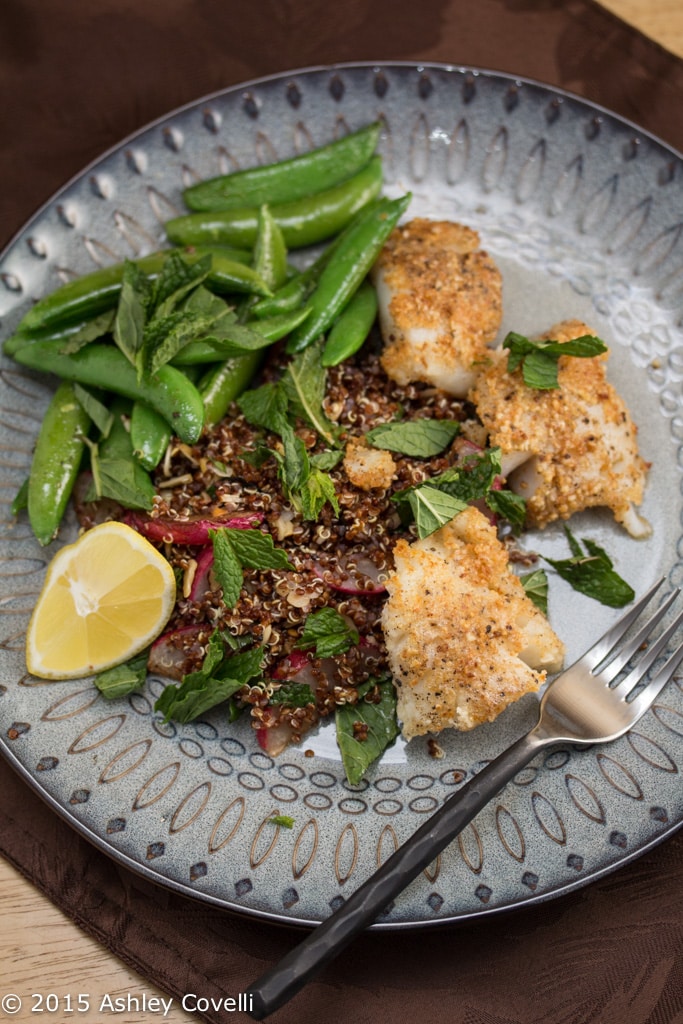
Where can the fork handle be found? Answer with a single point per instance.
(328, 939)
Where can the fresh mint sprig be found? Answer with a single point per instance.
(235, 550)
(539, 359)
(591, 572)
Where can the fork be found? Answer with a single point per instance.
(585, 704)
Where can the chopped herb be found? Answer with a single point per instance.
(90, 331)
(265, 406)
(379, 728)
(235, 550)
(539, 359)
(591, 572)
(282, 819)
(418, 438)
(509, 506)
(216, 681)
(20, 500)
(304, 383)
(536, 588)
(293, 695)
(328, 632)
(131, 313)
(176, 278)
(123, 679)
(122, 479)
(96, 410)
(433, 508)
(316, 490)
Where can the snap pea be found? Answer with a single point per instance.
(270, 251)
(56, 460)
(351, 328)
(87, 296)
(150, 434)
(273, 329)
(286, 180)
(347, 267)
(168, 391)
(302, 221)
(224, 383)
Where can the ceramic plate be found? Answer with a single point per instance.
(582, 212)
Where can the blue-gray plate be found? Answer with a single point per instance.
(582, 212)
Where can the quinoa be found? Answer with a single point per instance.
(339, 561)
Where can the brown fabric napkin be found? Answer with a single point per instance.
(75, 78)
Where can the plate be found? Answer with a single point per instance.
(582, 212)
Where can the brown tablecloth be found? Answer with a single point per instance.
(75, 77)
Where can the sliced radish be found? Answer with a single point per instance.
(193, 532)
(201, 584)
(357, 575)
(176, 652)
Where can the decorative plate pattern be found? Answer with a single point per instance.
(582, 211)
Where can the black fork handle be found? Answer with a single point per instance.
(327, 940)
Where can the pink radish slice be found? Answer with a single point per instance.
(201, 583)
(274, 737)
(353, 575)
(194, 532)
(174, 653)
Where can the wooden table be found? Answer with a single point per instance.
(36, 940)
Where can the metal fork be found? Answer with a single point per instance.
(586, 704)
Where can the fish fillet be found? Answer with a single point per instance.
(464, 640)
(440, 304)
(576, 445)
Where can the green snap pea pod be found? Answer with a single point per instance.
(270, 251)
(295, 291)
(15, 341)
(347, 268)
(302, 221)
(150, 434)
(87, 296)
(351, 328)
(272, 329)
(286, 180)
(224, 383)
(105, 366)
(56, 461)
(20, 500)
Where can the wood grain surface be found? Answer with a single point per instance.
(42, 950)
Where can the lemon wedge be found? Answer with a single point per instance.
(105, 598)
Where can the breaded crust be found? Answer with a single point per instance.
(440, 300)
(464, 640)
(579, 438)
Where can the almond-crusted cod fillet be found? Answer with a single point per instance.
(576, 445)
(440, 304)
(464, 640)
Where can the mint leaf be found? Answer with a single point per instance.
(539, 359)
(123, 679)
(591, 572)
(433, 508)
(509, 506)
(227, 567)
(176, 278)
(96, 410)
(376, 723)
(265, 406)
(282, 819)
(90, 331)
(131, 313)
(164, 338)
(293, 695)
(121, 479)
(304, 384)
(20, 500)
(328, 632)
(254, 549)
(215, 682)
(418, 438)
(536, 588)
(326, 460)
(315, 492)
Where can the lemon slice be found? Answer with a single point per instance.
(105, 598)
